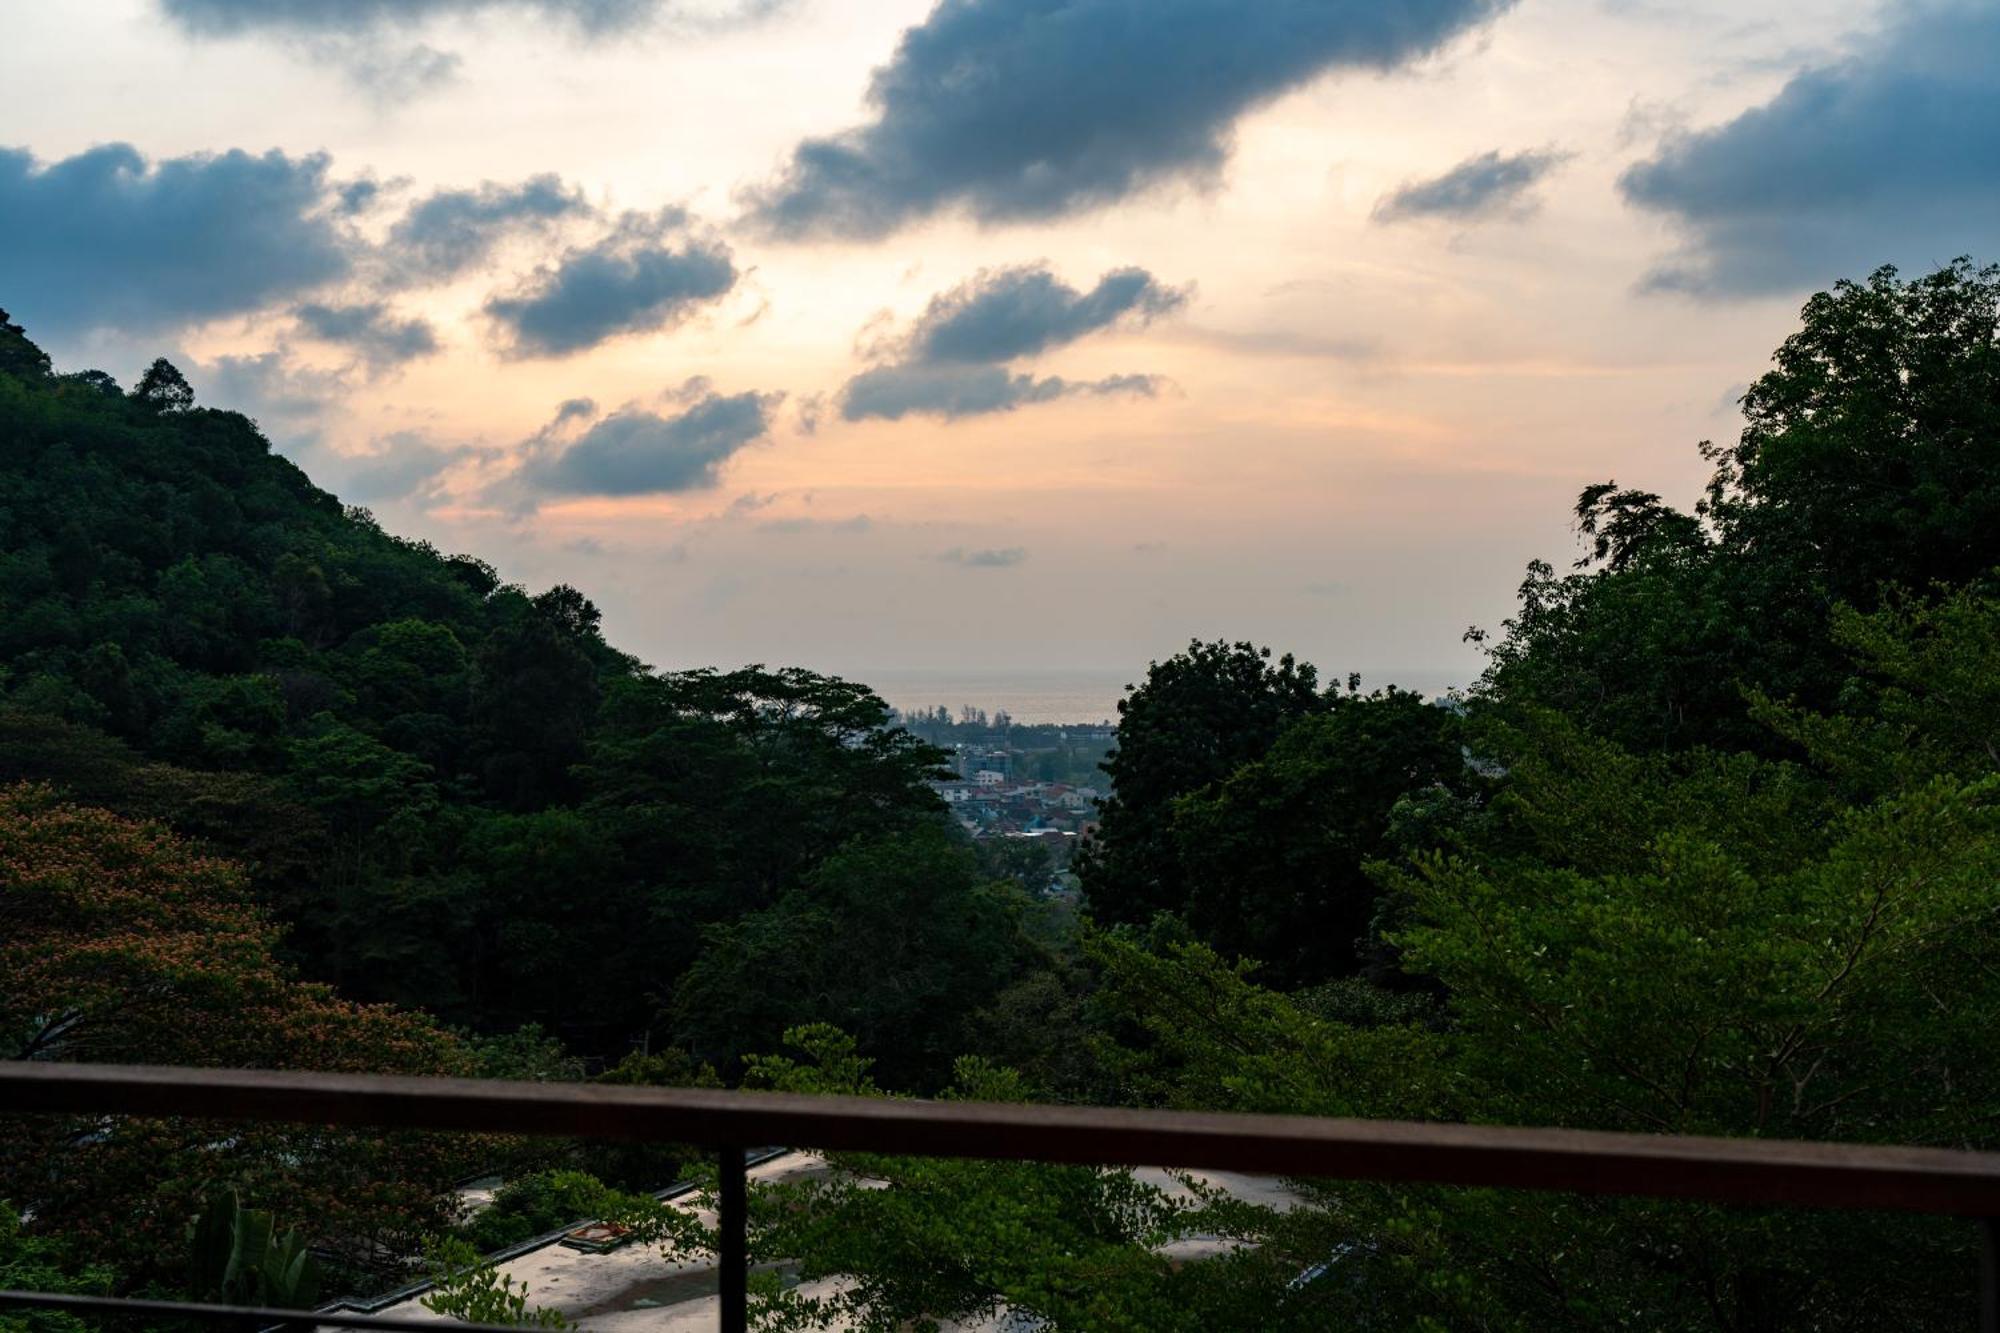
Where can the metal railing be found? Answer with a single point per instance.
(1730, 1171)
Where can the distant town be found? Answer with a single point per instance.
(1036, 784)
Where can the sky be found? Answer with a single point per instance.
(994, 335)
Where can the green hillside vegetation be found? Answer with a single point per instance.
(1713, 847)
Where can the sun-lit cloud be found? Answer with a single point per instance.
(1416, 401)
(1892, 154)
(1018, 112)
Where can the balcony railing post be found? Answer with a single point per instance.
(1989, 1275)
(732, 1250)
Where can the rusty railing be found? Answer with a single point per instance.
(1731, 1171)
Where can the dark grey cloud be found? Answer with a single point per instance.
(893, 392)
(649, 273)
(371, 330)
(452, 232)
(1490, 185)
(1031, 109)
(953, 361)
(1005, 557)
(109, 240)
(1892, 155)
(636, 452)
(1005, 314)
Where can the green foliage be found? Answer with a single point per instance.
(465, 1288)
(20, 358)
(1197, 717)
(456, 794)
(163, 388)
(1711, 850)
(536, 1204)
(33, 1263)
(237, 1257)
(940, 945)
(1721, 862)
(928, 1240)
(1870, 458)
(1274, 855)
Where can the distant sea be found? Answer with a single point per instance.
(1026, 696)
(1061, 696)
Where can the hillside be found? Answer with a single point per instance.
(456, 793)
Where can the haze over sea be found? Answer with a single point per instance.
(1059, 695)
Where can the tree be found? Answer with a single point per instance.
(1870, 454)
(37, 1263)
(1275, 855)
(466, 1287)
(18, 356)
(163, 388)
(1867, 461)
(920, 1241)
(538, 697)
(1195, 718)
(238, 1257)
(120, 942)
(940, 945)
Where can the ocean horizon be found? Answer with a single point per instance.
(1053, 695)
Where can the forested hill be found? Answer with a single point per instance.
(454, 793)
(1712, 849)
(171, 580)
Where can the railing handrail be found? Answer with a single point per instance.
(1722, 1170)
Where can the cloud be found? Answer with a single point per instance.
(636, 452)
(953, 360)
(893, 392)
(406, 463)
(228, 18)
(291, 404)
(388, 74)
(1005, 557)
(1005, 314)
(648, 273)
(792, 526)
(377, 336)
(361, 37)
(1489, 185)
(1892, 155)
(452, 232)
(109, 240)
(1032, 109)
